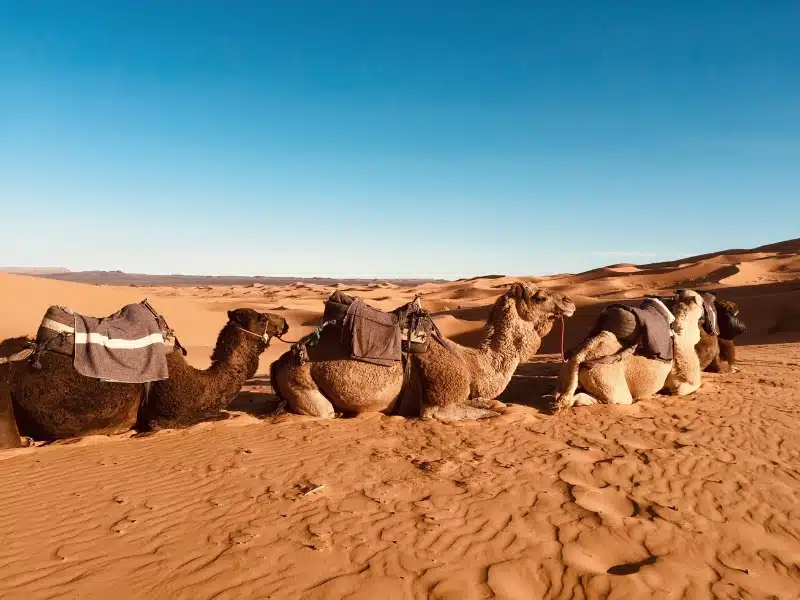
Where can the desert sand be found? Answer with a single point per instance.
(692, 497)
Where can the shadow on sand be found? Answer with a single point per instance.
(257, 399)
(534, 384)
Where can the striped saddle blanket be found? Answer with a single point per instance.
(130, 346)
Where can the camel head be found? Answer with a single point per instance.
(730, 325)
(260, 325)
(538, 305)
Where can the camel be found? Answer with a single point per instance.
(55, 402)
(730, 327)
(611, 374)
(717, 353)
(449, 381)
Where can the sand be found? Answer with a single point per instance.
(693, 497)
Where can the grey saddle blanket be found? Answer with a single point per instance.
(372, 335)
(646, 326)
(126, 347)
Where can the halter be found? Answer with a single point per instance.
(265, 337)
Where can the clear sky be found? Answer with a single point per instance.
(394, 137)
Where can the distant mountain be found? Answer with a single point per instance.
(121, 278)
(35, 270)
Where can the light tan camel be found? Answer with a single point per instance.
(452, 382)
(626, 377)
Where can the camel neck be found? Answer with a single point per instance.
(237, 363)
(511, 341)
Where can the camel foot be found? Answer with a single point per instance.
(564, 402)
(485, 403)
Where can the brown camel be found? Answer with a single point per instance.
(56, 402)
(717, 354)
(446, 382)
(730, 327)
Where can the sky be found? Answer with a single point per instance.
(394, 138)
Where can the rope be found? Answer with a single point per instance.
(16, 357)
(562, 339)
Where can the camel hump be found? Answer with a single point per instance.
(57, 330)
(129, 346)
(375, 336)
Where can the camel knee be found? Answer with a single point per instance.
(312, 404)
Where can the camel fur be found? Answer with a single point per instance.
(447, 382)
(611, 375)
(55, 402)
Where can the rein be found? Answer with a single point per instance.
(562, 338)
(279, 338)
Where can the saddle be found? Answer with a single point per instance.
(372, 335)
(129, 346)
(643, 330)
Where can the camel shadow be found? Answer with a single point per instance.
(256, 399)
(534, 384)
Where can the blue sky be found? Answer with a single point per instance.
(394, 138)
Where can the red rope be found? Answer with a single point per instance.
(562, 339)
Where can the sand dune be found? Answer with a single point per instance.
(692, 497)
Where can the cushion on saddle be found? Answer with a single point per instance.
(709, 314)
(647, 327)
(375, 336)
(129, 346)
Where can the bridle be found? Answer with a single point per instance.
(264, 337)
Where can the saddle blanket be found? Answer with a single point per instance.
(126, 347)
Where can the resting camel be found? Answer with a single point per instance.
(716, 349)
(611, 374)
(717, 354)
(56, 402)
(448, 381)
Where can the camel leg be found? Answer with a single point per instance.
(300, 390)
(603, 344)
